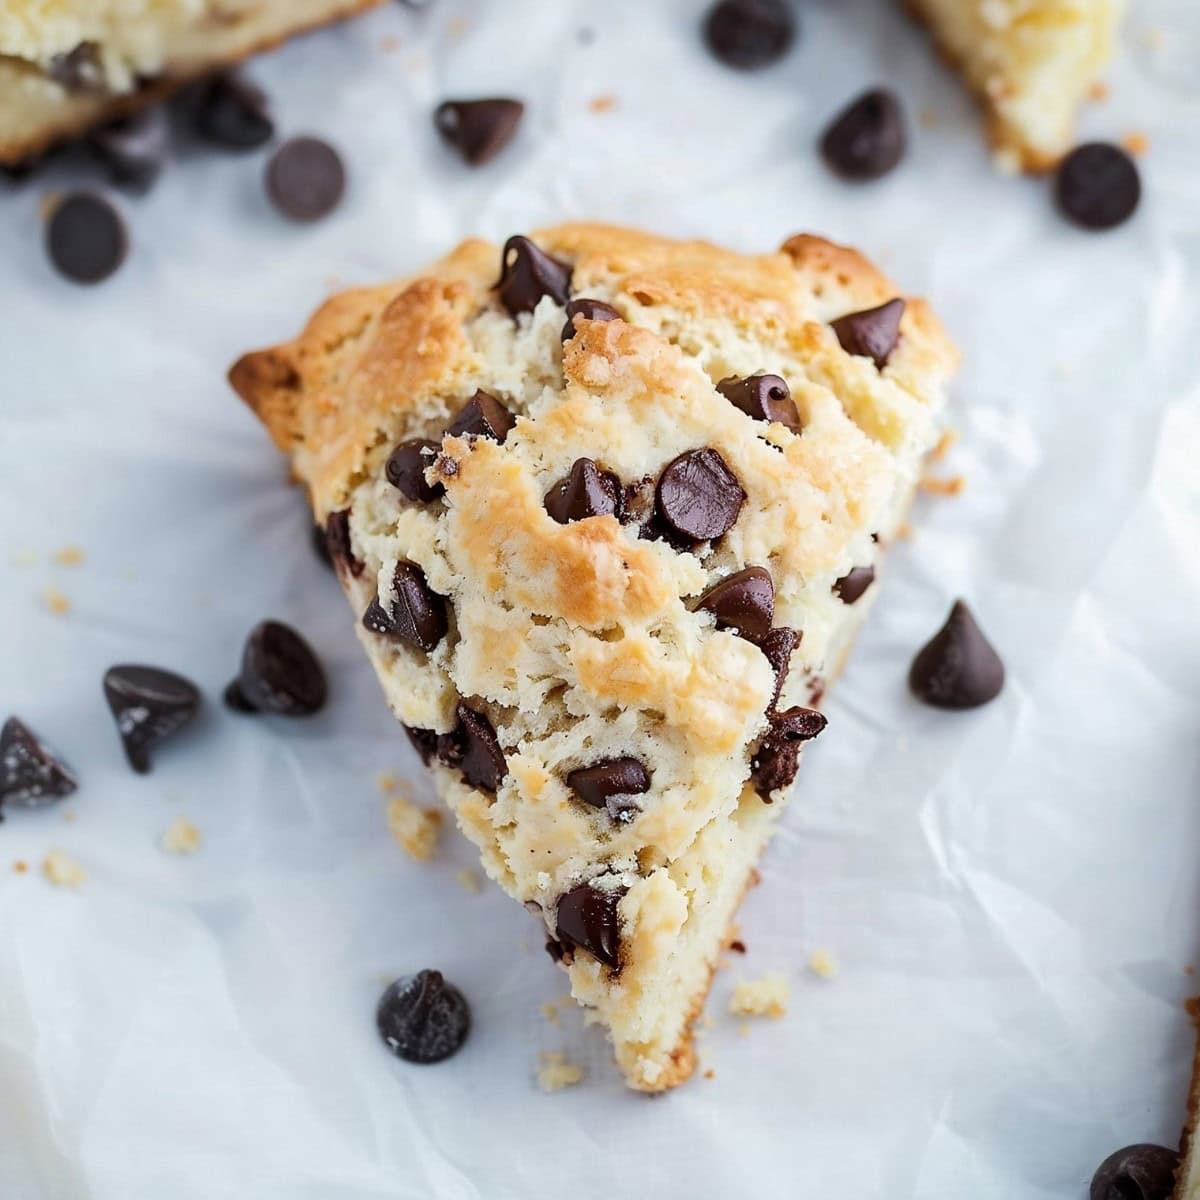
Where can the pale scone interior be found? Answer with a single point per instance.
(584, 642)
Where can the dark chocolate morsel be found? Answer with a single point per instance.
(853, 584)
(280, 674)
(774, 765)
(424, 742)
(231, 112)
(482, 759)
(1098, 186)
(337, 538)
(778, 646)
(148, 704)
(31, 774)
(86, 238)
(599, 783)
(798, 724)
(320, 545)
(417, 614)
(588, 919)
(698, 496)
(763, 397)
(585, 491)
(743, 602)
(405, 470)
(422, 1018)
(305, 178)
(1140, 1172)
(528, 273)
(589, 310)
(482, 416)
(133, 148)
(478, 129)
(957, 668)
(872, 333)
(748, 34)
(79, 69)
(867, 138)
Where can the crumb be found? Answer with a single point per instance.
(1007, 162)
(20, 866)
(415, 828)
(550, 1013)
(710, 1073)
(457, 28)
(602, 104)
(949, 486)
(903, 532)
(181, 837)
(821, 963)
(707, 1023)
(69, 556)
(1099, 90)
(387, 782)
(743, 1030)
(23, 558)
(1153, 39)
(468, 880)
(47, 204)
(927, 118)
(56, 602)
(944, 443)
(555, 1072)
(765, 997)
(62, 870)
(1188, 970)
(738, 946)
(389, 43)
(70, 816)
(1136, 142)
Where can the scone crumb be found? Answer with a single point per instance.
(743, 1030)
(556, 1072)
(20, 866)
(387, 782)
(951, 485)
(47, 204)
(180, 837)
(62, 870)
(56, 602)
(389, 43)
(1007, 161)
(415, 828)
(70, 816)
(550, 1012)
(1153, 39)
(822, 964)
(927, 118)
(765, 997)
(456, 28)
(1189, 969)
(602, 104)
(1099, 90)
(710, 1073)
(903, 532)
(69, 556)
(944, 445)
(468, 880)
(1136, 142)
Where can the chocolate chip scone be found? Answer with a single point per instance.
(609, 509)
(66, 65)
(1032, 63)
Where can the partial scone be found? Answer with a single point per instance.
(1031, 62)
(66, 65)
(604, 590)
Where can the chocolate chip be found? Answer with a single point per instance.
(86, 238)
(866, 139)
(611, 785)
(585, 491)
(527, 274)
(763, 397)
(1098, 186)
(78, 70)
(422, 1018)
(851, 586)
(698, 496)
(405, 470)
(482, 416)
(482, 759)
(320, 545)
(417, 614)
(556, 950)
(589, 310)
(958, 668)
(778, 646)
(748, 34)
(424, 742)
(133, 149)
(31, 774)
(872, 333)
(1141, 1172)
(798, 724)
(149, 704)
(235, 699)
(775, 763)
(231, 112)
(337, 537)
(280, 674)
(743, 602)
(588, 919)
(305, 178)
(478, 129)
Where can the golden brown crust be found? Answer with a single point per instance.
(1187, 1177)
(77, 118)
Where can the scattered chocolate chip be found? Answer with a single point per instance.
(337, 538)
(958, 668)
(31, 774)
(763, 397)
(148, 704)
(424, 742)
(872, 333)
(698, 496)
(585, 491)
(778, 646)
(305, 178)
(78, 70)
(280, 674)
(478, 129)
(86, 238)
(588, 918)
(866, 139)
(743, 602)
(1141, 1172)
(748, 34)
(417, 614)
(478, 750)
(527, 274)
(405, 470)
(589, 310)
(320, 545)
(232, 112)
(133, 149)
(611, 785)
(1098, 186)
(422, 1018)
(482, 416)
(853, 584)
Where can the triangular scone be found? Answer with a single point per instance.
(613, 745)
(1031, 62)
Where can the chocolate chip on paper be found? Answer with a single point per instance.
(478, 129)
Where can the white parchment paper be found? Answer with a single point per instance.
(1011, 895)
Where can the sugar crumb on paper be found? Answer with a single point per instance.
(414, 828)
(822, 964)
(62, 870)
(765, 997)
(181, 837)
(56, 602)
(556, 1071)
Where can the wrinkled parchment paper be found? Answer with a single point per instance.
(1010, 895)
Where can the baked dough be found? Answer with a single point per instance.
(584, 642)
